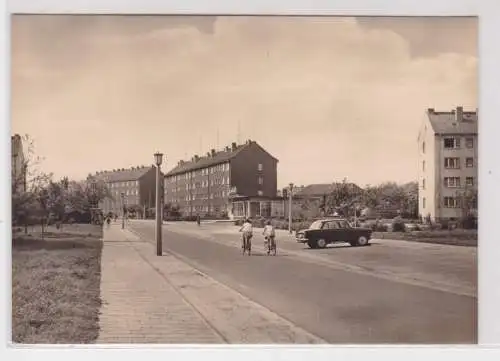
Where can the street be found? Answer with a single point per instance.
(388, 292)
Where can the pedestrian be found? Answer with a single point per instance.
(269, 237)
(198, 219)
(247, 230)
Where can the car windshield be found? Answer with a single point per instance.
(316, 225)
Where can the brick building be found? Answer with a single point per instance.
(138, 185)
(212, 185)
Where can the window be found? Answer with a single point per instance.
(423, 147)
(423, 166)
(469, 142)
(469, 162)
(423, 202)
(452, 163)
(451, 143)
(260, 167)
(260, 193)
(423, 183)
(261, 180)
(452, 182)
(469, 181)
(451, 202)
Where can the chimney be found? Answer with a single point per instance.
(460, 114)
(430, 110)
(213, 152)
(208, 154)
(196, 158)
(228, 149)
(233, 146)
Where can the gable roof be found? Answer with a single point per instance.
(130, 174)
(446, 122)
(207, 161)
(321, 189)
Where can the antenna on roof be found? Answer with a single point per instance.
(238, 135)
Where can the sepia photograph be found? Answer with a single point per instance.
(255, 180)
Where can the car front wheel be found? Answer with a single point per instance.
(321, 243)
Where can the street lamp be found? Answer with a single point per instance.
(290, 208)
(93, 189)
(159, 214)
(123, 209)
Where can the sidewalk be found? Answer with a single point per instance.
(139, 306)
(151, 299)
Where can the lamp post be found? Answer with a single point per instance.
(290, 208)
(159, 214)
(123, 209)
(93, 189)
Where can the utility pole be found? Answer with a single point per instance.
(159, 212)
(123, 209)
(290, 208)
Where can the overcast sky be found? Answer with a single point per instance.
(329, 97)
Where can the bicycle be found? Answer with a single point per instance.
(247, 243)
(270, 245)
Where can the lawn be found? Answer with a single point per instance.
(457, 237)
(56, 285)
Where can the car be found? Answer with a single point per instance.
(326, 231)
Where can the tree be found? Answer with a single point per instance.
(27, 183)
(343, 199)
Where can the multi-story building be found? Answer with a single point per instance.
(137, 184)
(447, 163)
(18, 164)
(224, 181)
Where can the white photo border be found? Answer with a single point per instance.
(488, 12)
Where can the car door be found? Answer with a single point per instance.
(331, 229)
(344, 231)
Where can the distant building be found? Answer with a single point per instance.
(448, 162)
(236, 181)
(18, 164)
(138, 185)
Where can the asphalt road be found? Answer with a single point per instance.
(331, 300)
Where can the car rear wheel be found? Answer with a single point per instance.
(361, 241)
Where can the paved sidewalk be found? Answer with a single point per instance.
(151, 299)
(139, 305)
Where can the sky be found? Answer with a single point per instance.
(329, 97)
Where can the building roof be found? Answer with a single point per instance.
(217, 157)
(447, 122)
(122, 175)
(321, 189)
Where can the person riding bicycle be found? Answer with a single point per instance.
(247, 230)
(269, 237)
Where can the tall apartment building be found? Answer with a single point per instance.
(138, 185)
(18, 171)
(447, 162)
(207, 185)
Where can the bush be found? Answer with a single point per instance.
(379, 227)
(398, 225)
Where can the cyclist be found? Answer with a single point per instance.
(269, 237)
(247, 230)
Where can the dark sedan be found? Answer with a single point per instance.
(325, 231)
